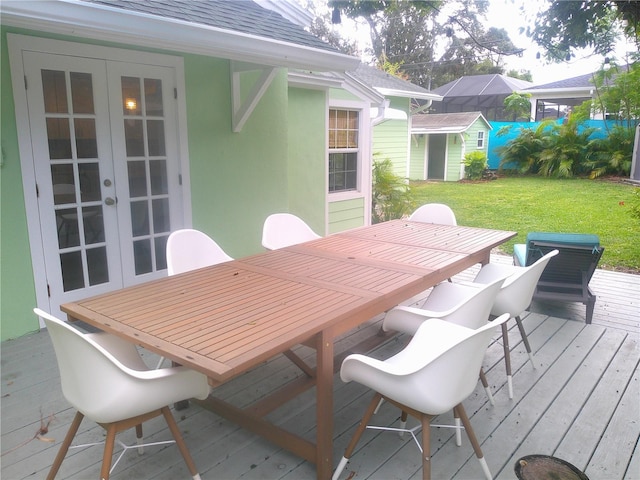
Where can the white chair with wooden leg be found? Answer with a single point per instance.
(514, 297)
(433, 374)
(105, 380)
(434, 213)
(466, 305)
(188, 249)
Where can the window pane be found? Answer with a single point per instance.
(134, 137)
(137, 178)
(97, 265)
(131, 96)
(86, 143)
(153, 96)
(343, 173)
(155, 134)
(67, 223)
(59, 136)
(54, 89)
(64, 188)
(93, 224)
(139, 219)
(159, 181)
(161, 215)
(142, 256)
(81, 92)
(89, 174)
(71, 265)
(161, 256)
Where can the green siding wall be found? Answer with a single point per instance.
(390, 139)
(346, 214)
(417, 153)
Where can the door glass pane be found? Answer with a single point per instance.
(155, 133)
(64, 189)
(68, 233)
(81, 92)
(89, 174)
(54, 89)
(93, 223)
(131, 96)
(161, 255)
(86, 142)
(139, 218)
(159, 180)
(137, 178)
(161, 215)
(134, 137)
(153, 96)
(97, 263)
(72, 277)
(59, 136)
(142, 254)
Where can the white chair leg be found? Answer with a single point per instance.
(339, 468)
(485, 468)
(490, 396)
(458, 432)
(378, 406)
(510, 385)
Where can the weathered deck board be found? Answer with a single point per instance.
(580, 403)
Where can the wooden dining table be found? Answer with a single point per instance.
(227, 319)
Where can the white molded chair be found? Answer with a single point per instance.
(188, 249)
(434, 213)
(466, 305)
(105, 379)
(514, 298)
(434, 373)
(284, 229)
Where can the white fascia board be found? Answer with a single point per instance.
(390, 92)
(99, 22)
(560, 92)
(417, 131)
(313, 81)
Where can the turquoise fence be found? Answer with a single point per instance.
(496, 141)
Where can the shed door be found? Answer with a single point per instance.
(105, 157)
(436, 156)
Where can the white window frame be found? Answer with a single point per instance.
(363, 150)
(480, 140)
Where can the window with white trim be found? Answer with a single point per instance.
(344, 151)
(480, 139)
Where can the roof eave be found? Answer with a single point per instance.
(99, 22)
(390, 92)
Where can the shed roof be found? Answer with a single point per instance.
(445, 122)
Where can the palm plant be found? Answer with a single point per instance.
(523, 152)
(566, 150)
(392, 196)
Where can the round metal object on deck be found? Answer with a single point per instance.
(544, 467)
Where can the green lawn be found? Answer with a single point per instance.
(525, 204)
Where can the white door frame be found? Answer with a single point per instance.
(19, 43)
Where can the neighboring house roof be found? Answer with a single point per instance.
(445, 122)
(238, 30)
(391, 85)
(480, 90)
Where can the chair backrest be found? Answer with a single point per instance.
(189, 249)
(518, 288)
(436, 371)
(469, 305)
(104, 389)
(284, 229)
(434, 213)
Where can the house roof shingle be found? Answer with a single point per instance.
(243, 16)
(482, 85)
(382, 80)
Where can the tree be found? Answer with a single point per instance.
(518, 105)
(409, 32)
(585, 24)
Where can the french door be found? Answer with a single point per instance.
(104, 144)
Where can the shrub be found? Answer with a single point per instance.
(475, 163)
(392, 197)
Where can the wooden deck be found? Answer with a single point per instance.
(580, 403)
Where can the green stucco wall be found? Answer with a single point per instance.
(307, 156)
(417, 154)
(17, 294)
(237, 179)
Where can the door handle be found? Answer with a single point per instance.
(109, 201)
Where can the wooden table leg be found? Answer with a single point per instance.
(324, 405)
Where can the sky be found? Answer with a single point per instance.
(506, 14)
